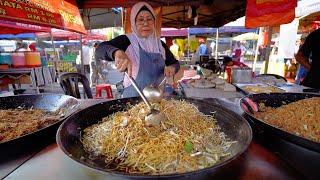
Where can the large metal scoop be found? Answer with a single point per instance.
(155, 116)
(154, 93)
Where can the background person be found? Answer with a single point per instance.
(227, 61)
(302, 71)
(203, 48)
(239, 51)
(175, 49)
(21, 46)
(85, 58)
(310, 48)
(96, 68)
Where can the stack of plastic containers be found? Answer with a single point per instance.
(18, 60)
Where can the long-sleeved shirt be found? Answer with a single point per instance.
(106, 50)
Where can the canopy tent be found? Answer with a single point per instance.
(97, 18)
(211, 13)
(306, 8)
(8, 27)
(18, 36)
(216, 14)
(166, 32)
(173, 32)
(223, 29)
(246, 36)
(68, 35)
(309, 23)
(85, 4)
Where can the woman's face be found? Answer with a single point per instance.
(145, 24)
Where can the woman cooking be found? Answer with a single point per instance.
(144, 56)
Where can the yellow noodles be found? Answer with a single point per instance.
(187, 141)
(301, 117)
(18, 122)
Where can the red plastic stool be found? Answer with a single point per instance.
(106, 87)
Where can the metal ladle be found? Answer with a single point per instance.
(154, 94)
(155, 116)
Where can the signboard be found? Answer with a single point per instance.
(8, 27)
(50, 13)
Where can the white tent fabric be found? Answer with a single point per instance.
(306, 7)
(246, 36)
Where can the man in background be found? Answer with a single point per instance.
(310, 49)
(302, 71)
(96, 67)
(203, 49)
(175, 49)
(85, 58)
(21, 46)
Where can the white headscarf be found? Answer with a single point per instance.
(151, 44)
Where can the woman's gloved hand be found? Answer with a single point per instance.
(123, 63)
(169, 71)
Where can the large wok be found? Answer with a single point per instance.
(69, 135)
(249, 104)
(66, 105)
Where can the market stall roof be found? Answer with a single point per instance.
(8, 27)
(308, 20)
(18, 36)
(129, 3)
(223, 29)
(229, 30)
(246, 36)
(97, 18)
(211, 13)
(68, 35)
(308, 12)
(173, 32)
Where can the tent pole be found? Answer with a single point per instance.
(256, 51)
(82, 70)
(217, 43)
(231, 47)
(268, 53)
(112, 33)
(55, 63)
(188, 43)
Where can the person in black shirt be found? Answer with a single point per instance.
(144, 56)
(311, 49)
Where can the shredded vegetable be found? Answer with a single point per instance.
(187, 141)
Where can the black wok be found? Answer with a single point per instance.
(46, 102)
(249, 104)
(69, 135)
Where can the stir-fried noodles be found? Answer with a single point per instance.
(301, 117)
(18, 122)
(187, 141)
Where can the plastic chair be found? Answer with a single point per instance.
(272, 75)
(106, 87)
(69, 82)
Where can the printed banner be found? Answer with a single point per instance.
(50, 13)
(260, 13)
(8, 27)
